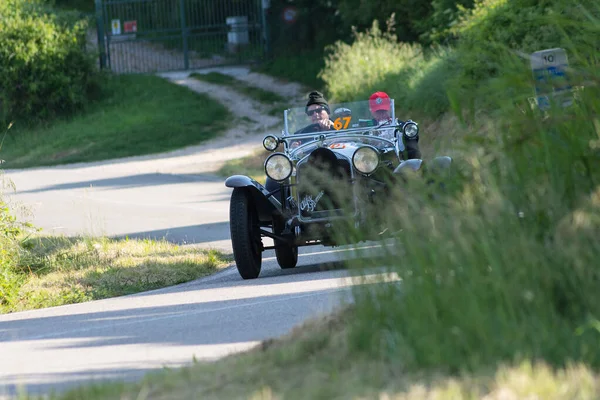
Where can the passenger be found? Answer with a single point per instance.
(380, 106)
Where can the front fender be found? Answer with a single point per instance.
(266, 205)
(241, 181)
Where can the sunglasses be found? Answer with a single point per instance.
(316, 110)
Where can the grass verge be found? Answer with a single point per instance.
(52, 271)
(265, 97)
(312, 362)
(139, 114)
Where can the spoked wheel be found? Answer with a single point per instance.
(245, 234)
(287, 255)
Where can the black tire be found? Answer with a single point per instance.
(287, 256)
(245, 234)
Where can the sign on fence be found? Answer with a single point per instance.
(130, 26)
(550, 73)
(116, 26)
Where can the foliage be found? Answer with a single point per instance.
(503, 267)
(317, 24)
(497, 29)
(46, 70)
(377, 61)
(322, 22)
(86, 6)
(302, 67)
(10, 232)
(407, 15)
(351, 70)
(445, 14)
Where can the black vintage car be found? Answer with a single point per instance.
(318, 182)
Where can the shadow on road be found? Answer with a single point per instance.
(131, 181)
(156, 324)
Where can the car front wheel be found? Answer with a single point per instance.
(286, 254)
(245, 234)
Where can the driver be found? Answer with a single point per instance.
(380, 106)
(318, 111)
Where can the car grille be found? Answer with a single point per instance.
(324, 185)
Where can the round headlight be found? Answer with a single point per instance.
(270, 143)
(411, 130)
(366, 160)
(278, 167)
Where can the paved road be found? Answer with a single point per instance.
(121, 338)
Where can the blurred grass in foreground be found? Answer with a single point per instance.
(315, 362)
(503, 268)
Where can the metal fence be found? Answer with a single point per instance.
(166, 35)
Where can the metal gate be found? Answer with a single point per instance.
(166, 35)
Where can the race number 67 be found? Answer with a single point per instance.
(338, 124)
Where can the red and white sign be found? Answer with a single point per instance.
(290, 14)
(130, 26)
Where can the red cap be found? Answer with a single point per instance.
(379, 101)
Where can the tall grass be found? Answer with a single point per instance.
(503, 267)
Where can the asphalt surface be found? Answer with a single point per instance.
(124, 337)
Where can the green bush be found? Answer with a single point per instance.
(302, 67)
(352, 70)
(10, 230)
(46, 70)
(375, 60)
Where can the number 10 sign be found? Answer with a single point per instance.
(549, 71)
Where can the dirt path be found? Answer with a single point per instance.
(251, 122)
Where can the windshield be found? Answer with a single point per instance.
(346, 116)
